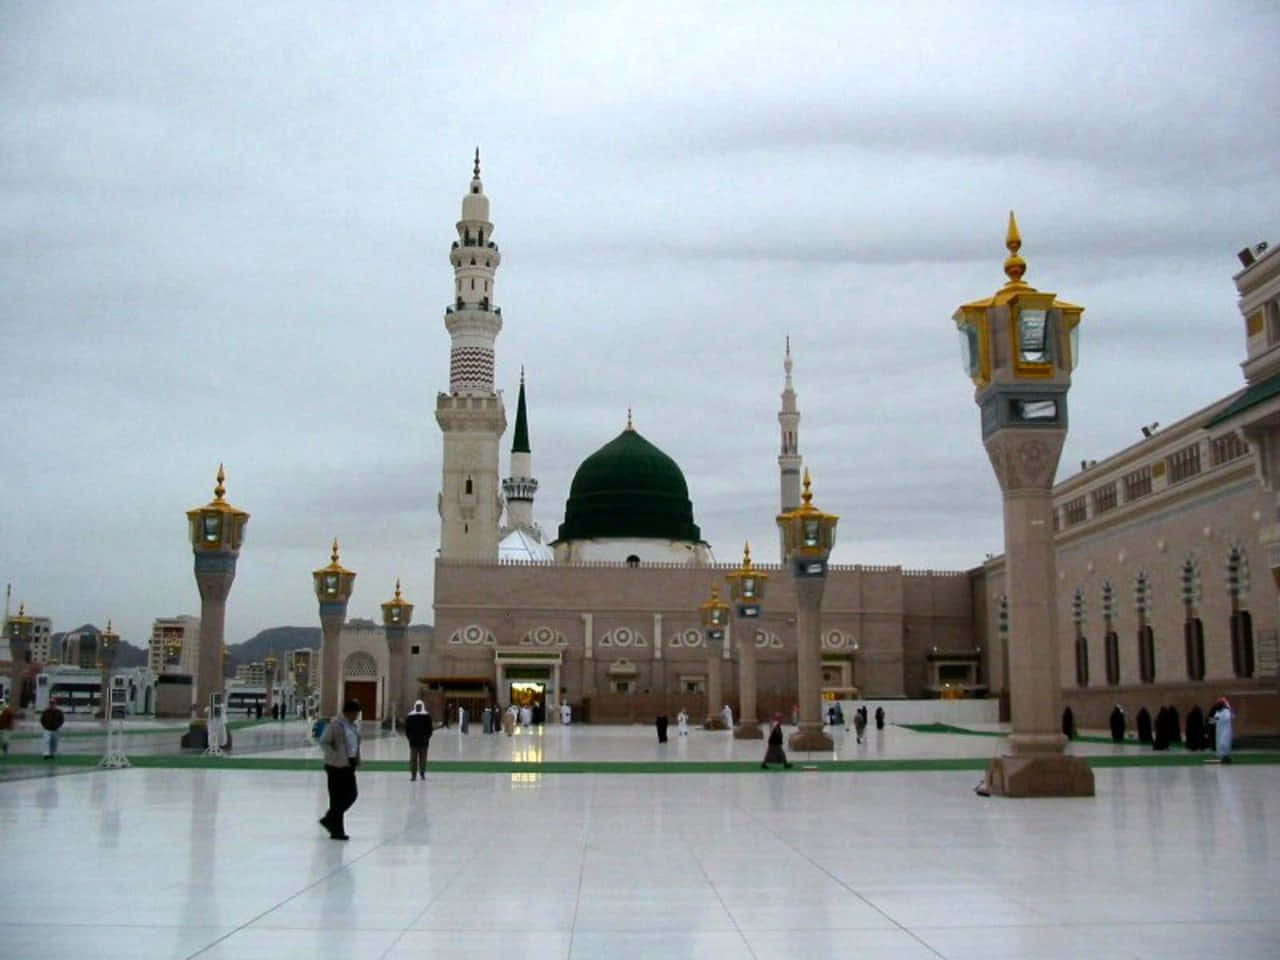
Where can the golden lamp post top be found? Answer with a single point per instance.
(397, 611)
(808, 534)
(746, 584)
(335, 581)
(217, 525)
(715, 613)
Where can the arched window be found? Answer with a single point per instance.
(1146, 636)
(1192, 627)
(469, 489)
(1111, 638)
(1082, 643)
(1241, 620)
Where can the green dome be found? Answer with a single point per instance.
(629, 488)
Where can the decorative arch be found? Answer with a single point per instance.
(360, 666)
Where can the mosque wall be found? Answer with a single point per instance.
(880, 620)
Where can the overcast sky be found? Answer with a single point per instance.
(224, 235)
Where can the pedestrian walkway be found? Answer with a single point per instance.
(692, 857)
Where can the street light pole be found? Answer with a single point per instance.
(746, 584)
(333, 584)
(1019, 349)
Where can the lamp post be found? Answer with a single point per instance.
(217, 531)
(333, 589)
(396, 614)
(269, 669)
(715, 617)
(1019, 349)
(746, 585)
(109, 641)
(19, 629)
(808, 535)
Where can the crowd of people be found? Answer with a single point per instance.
(1212, 731)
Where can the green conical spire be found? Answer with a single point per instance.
(520, 442)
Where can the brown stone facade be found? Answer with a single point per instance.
(878, 625)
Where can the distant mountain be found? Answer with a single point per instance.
(127, 655)
(275, 640)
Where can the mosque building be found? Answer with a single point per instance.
(1154, 545)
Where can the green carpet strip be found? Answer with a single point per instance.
(202, 762)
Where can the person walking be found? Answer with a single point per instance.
(661, 724)
(51, 721)
(726, 716)
(773, 751)
(682, 723)
(1223, 721)
(879, 718)
(341, 745)
(417, 727)
(859, 722)
(8, 719)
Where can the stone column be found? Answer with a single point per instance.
(748, 727)
(715, 696)
(810, 736)
(398, 648)
(332, 617)
(214, 575)
(1025, 462)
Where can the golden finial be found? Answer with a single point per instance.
(715, 593)
(629, 426)
(397, 596)
(476, 169)
(807, 496)
(108, 630)
(21, 609)
(333, 557)
(746, 555)
(1014, 266)
(221, 489)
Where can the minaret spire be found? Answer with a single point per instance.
(471, 414)
(789, 459)
(520, 487)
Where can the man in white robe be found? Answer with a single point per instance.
(726, 714)
(1224, 721)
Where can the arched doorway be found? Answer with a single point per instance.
(360, 682)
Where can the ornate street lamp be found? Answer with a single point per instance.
(217, 532)
(1020, 347)
(715, 619)
(808, 534)
(333, 585)
(110, 641)
(746, 586)
(396, 614)
(19, 629)
(269, 669)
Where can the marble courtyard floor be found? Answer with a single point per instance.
(598, 842)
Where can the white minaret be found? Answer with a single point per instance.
(471, 415)
(789, 460)
(519, 488)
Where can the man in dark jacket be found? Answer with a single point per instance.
(51, 721)
(417, 727)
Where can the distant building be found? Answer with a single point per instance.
(174, 645)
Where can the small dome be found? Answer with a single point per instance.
(629, 488)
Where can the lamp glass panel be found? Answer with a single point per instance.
(330, 583)
(748, 586)
(812, 532)
(968, 348)
(1033, 336)
(212, 527)
(1035, 410)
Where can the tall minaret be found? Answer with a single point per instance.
(789, 461)
(520, 487)
(471, 414)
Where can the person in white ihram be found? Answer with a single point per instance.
(726, 714)
(682, 723)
